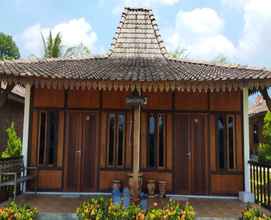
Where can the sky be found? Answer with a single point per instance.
(237, 29)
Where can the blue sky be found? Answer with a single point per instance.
(238, 29)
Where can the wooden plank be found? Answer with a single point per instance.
(60, 145)
(169, 136)
(129, 140)
(228, 101)
(83, 99)
(34, 138)
(103, 140)
(50, 180)
(239, 143)
(158, 101)
(48, 98)
(191, 101)
(107, 176)
(212, 133)
(143, 140)
(114, 100)
(226, 184)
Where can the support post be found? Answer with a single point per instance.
(136, 153)
(246, 196)
(26, 124)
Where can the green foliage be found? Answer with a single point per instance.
(14, 144)
(79, 51)
(254, 214)
(179, 53)
(8, 48)
(96, 209)
(52, 45)
(264, 149)
(14, 211)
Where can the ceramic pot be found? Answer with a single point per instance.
(116, 184)
(162, 188)
(151, 188)
(135, 185)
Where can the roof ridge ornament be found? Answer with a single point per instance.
(138, 35)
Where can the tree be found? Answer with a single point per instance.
(52, 45)
(264, 150)
(8, 48)
(221, 59)
(79, 51)
(179, 53)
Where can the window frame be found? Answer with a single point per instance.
(157, 141)
(226, 142)
(115, 164)
(46, 150)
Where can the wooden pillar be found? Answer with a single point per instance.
(136, 151)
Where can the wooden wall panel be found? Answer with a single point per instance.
(34, 137)
(106, 177)
(60, 145)
(129, 139)
(48, 98)
(158, 101)
(226, 184)
(212, 134)
(228, 101)
(158, 176)
(143, 140)
(169, 146)
(191, 101)
(114, 100)
(103, 140)
(239, 143)
(50, 179)
(83, 99)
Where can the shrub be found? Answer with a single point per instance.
(14, 211)
(96, 209)
(14, 144)
(253, 214)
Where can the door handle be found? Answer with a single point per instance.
(78, 151)
(188, 155)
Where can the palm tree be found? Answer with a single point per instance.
(52, 45)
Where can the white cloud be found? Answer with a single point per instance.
(200, 31)
(255, 41)
(73, 32)
(234, 3)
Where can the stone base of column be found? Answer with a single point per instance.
(246, 197)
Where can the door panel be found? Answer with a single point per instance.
(198, 163)
(88, 176)
(80, 167)
(72, 167)
(190, 154)
(181, 157)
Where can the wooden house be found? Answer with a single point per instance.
(136, 110)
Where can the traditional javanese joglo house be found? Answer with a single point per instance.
(137, 112)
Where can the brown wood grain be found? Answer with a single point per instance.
(114, 100)
(226, 184)
(50, 179)
(191, 101)
(169, 137)
(158, 100)
(228, 101)
(83, 99)
(34, 138)
(106, 177)
(143, 140)
(212, 134)
(129, 140)
(60, 145)
(239, 143)
(103, 140)
(48, 98)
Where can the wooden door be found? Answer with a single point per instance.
(190, 161)
(80, 169)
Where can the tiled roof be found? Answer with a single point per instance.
(134, 69)
(137, 54)
(258, 107)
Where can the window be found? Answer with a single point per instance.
(156, 141)
(116, 139)
(225, 135)
(48, 137)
